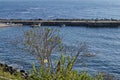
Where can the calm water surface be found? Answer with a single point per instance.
(49, 9)
(105, 42)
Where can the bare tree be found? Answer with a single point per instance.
(42, 42)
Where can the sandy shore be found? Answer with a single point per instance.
(4, 25)
(8, 25)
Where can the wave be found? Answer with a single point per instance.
(25, 12)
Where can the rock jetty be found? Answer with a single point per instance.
(65, 22)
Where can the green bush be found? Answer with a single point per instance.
(62, 72)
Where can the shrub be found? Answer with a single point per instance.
(41, 42)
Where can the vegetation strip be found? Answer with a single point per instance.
(1, 77)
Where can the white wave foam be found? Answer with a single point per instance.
(25, 12)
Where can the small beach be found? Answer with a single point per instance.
(8, 25)
(4, 25)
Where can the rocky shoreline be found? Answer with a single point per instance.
(13, 71)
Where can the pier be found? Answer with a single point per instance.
(63, 22)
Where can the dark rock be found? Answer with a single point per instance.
(24, 74)
(1, 65)
(11, 70)
(22, 71)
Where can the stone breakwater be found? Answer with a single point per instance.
(64, 22)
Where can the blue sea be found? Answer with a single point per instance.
(104, 42)
(47, 9)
